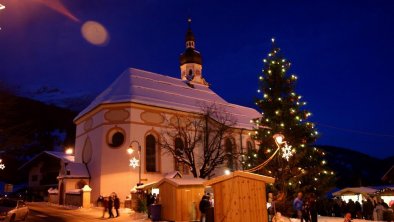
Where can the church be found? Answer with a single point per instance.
(122, 126)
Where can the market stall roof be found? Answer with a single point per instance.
(355, 190)
(182, 181)
(240, 174)
(146, 186)
(389, 191)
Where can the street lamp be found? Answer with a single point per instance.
(281, 145)
(134, 162)
(2, 7)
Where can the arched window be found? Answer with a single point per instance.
(249, 146)
(179, 146)
(150, 155)
(179, 149)
(229, 148)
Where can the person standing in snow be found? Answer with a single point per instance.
(297, 205)
(105, 206)
(203, 206)
(110, 206)
(116, 204)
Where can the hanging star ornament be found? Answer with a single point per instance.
(2, 166)
(286, 149)
(134, 162)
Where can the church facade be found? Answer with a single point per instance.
(133, 112)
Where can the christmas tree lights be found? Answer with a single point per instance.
(298, 167)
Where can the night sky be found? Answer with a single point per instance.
(341, 51)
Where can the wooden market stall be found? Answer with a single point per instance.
(240, 196)
(179, 198)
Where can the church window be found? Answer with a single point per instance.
(115, 137)
(229, 148)
(249, 146)
(179, 149)
(150, 158)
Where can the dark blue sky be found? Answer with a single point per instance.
(340, 50)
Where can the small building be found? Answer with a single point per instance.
(54, 170)
(179, 198)
(240, 196)
(354, 193)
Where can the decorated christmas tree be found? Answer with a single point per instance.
(297, 165)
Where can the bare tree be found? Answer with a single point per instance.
(196, 141)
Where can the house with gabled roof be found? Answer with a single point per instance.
(54, 170)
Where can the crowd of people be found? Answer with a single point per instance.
(307, 208)
(108, 203)
(370, 209)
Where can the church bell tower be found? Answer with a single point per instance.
(191, 60)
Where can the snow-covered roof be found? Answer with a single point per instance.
(355, 190)
(77, 170)
(182, 181)
(143, 87)
(173, 174)
(59, 155)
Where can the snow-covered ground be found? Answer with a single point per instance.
(330, 219)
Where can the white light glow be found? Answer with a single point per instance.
(130, 151)
(134, 162)
(69, 151)
(286, 152)
(227, 172)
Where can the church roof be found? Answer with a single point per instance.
(143, 87)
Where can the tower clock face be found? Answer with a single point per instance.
(190, 75)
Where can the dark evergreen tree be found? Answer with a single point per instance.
(284, 113)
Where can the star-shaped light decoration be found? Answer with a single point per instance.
(134, 162)
(286, 149)
(2, 166)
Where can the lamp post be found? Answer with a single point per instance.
(135, 162)
(281, 144)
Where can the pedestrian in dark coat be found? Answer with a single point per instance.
(100, 200)
(105, 206)
(110, 206)
(116, 205)
(150, 200)
(203, 206)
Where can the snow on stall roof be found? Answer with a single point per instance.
(182, 181)
(355, 190)
(148, 88)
